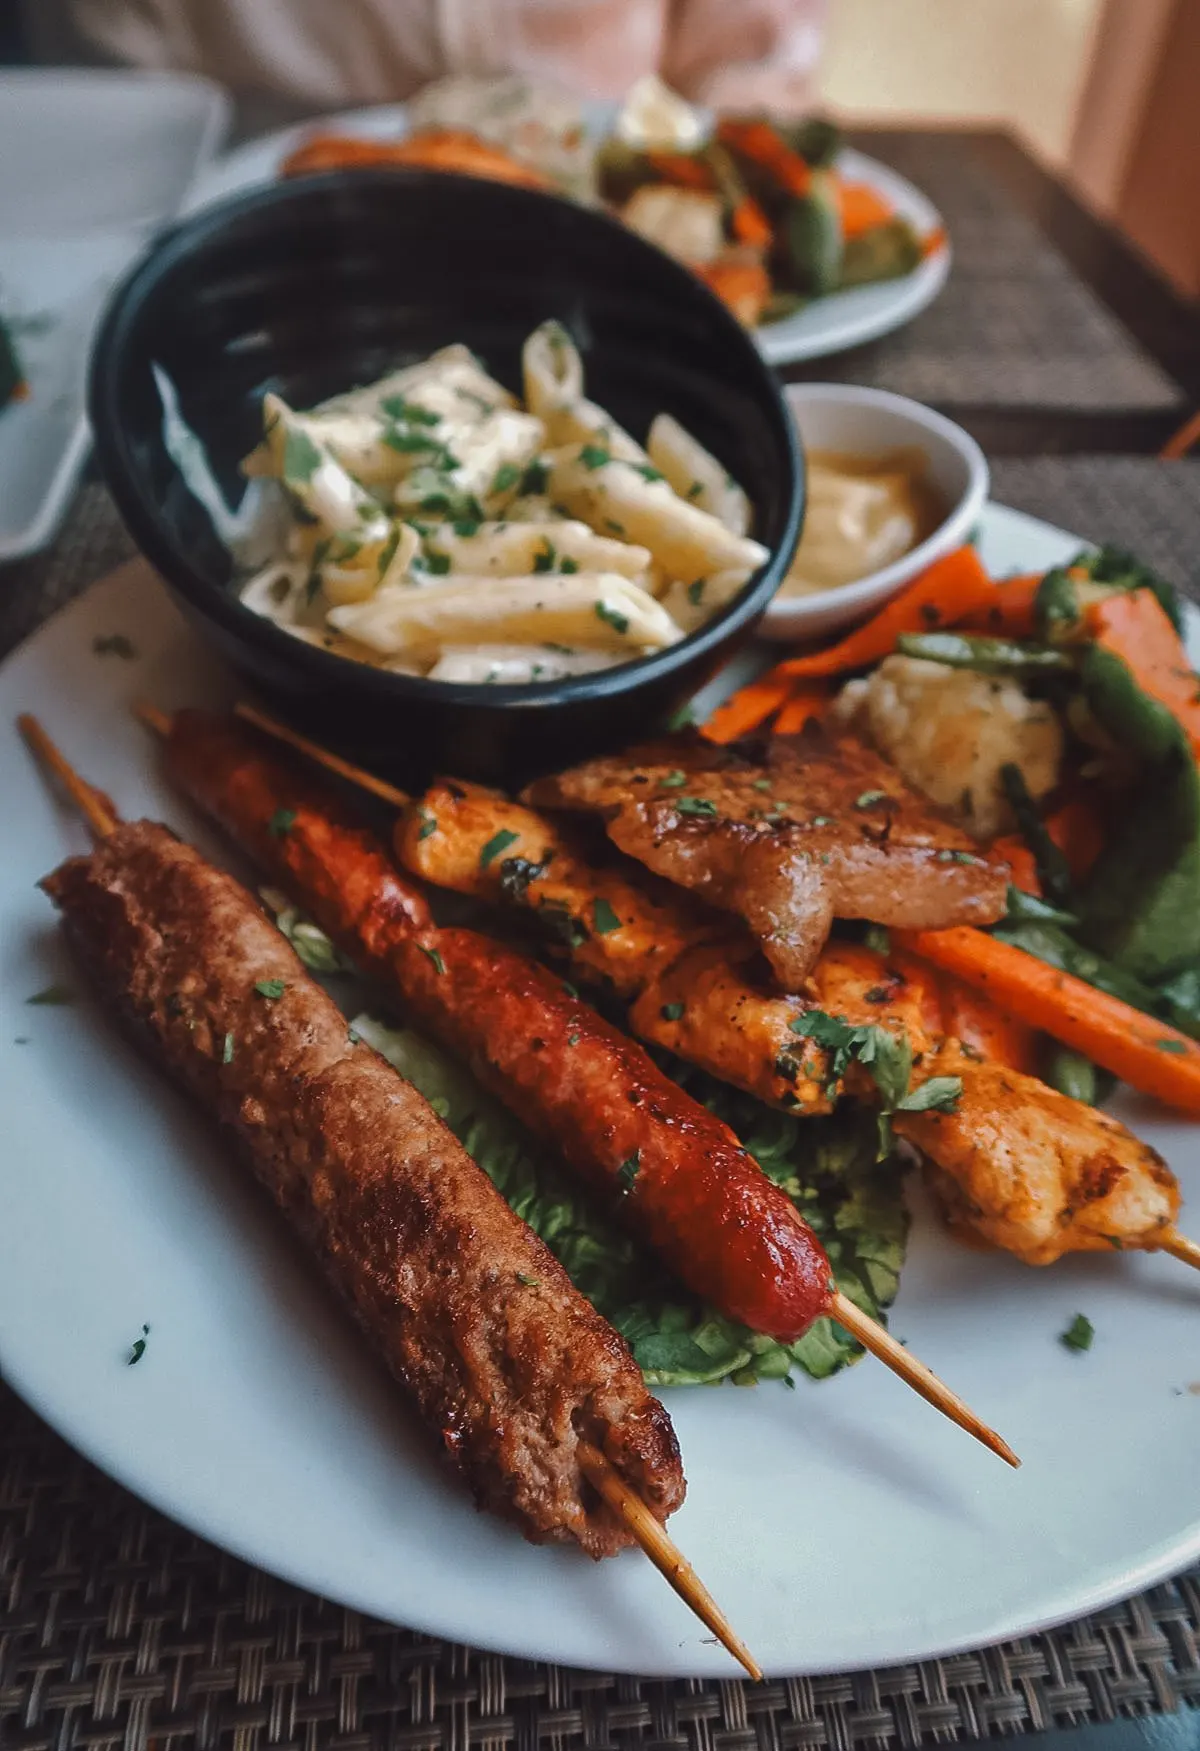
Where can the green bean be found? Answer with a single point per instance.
(990, 656)
(1054, 872)
(1071, 1074)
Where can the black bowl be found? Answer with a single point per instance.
(310, 287)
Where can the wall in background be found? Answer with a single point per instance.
(1017, 63)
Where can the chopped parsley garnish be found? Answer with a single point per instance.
(694, 491)
(506, 477)
(53, 994)
(301, 458)
(397, 408)
(498, 843)
(435, 502)
(388, 552)
(437, 563)
(281, 822)
(1170, 1045)
(696, 805)
(673, 780)
(885, 1056)
(536, 478)
(612, 524)
(957, 857)
(612, 617)
(466, 527)
(822, 821)
(114, 644)
(695, 592)
(604, 919)
(762, 784)
(941, 1094)
(409, 443)
(431, 954)
(544, 561)
(353, 1037)
(568, 565)
(528, 1282)
(594, 456)
(138, 1348)
(628, 1172)
(647, 471)
(1079, 1334)
(227, 1049)
(564, 650)
(870, 798)
(671, 1011)
(272, 988)
(428, 824)
(572, 1039)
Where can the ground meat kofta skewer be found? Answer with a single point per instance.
(536, 1399)
(678, 1175)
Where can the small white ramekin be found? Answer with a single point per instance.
(835, 416)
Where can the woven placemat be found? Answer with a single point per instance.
(120, 1629)
(1015, 327)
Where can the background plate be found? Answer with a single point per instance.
(842, 1525)
(830, 325)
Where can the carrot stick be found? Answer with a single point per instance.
(1009, 612)
(1079, 833)
(948, 589)
(804, 705)
(750, 224)
(741, 281)
(1022, 864)
(860, 207)
(759, 142)
(1133, 626)
(745, 710)
(683, 169)
(933, 241)
(1144, 1052)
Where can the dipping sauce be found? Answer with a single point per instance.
(863, 513)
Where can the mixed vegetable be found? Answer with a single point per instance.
(1073, 695)
(761, 211)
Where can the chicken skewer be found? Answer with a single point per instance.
(1016, 1164)
(530, 1389)
(676, 1173)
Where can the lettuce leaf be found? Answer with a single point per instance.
(826, 1166)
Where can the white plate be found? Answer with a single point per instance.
(830, 325)
(90, 164)
(841, 1525)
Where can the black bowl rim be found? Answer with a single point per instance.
(112, 451)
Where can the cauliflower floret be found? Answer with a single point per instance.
(949, 731)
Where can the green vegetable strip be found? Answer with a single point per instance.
(990, 656)
(1054, 872)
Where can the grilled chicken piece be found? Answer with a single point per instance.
(1034, 1172)
(725, 1016)
(618, 928)
(816, 829)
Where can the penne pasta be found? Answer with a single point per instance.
(430, 524)
(514, 664)
(509, 549)
(636, 504)
(696, 475)
(596, 610)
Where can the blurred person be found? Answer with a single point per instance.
(732, 54)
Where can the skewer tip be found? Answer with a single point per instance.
(666, 1556)
(92, 804)
(155, 720)
(1181, 1248)
(881, 1343)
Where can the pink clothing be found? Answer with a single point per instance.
(747, 54)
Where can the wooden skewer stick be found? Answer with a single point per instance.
(354, 774)
(666, 1556)
(1180, 1247)
(874, 1337)
(91, 806)
(869, 1333)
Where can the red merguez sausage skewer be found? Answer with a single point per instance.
(680, 1175)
